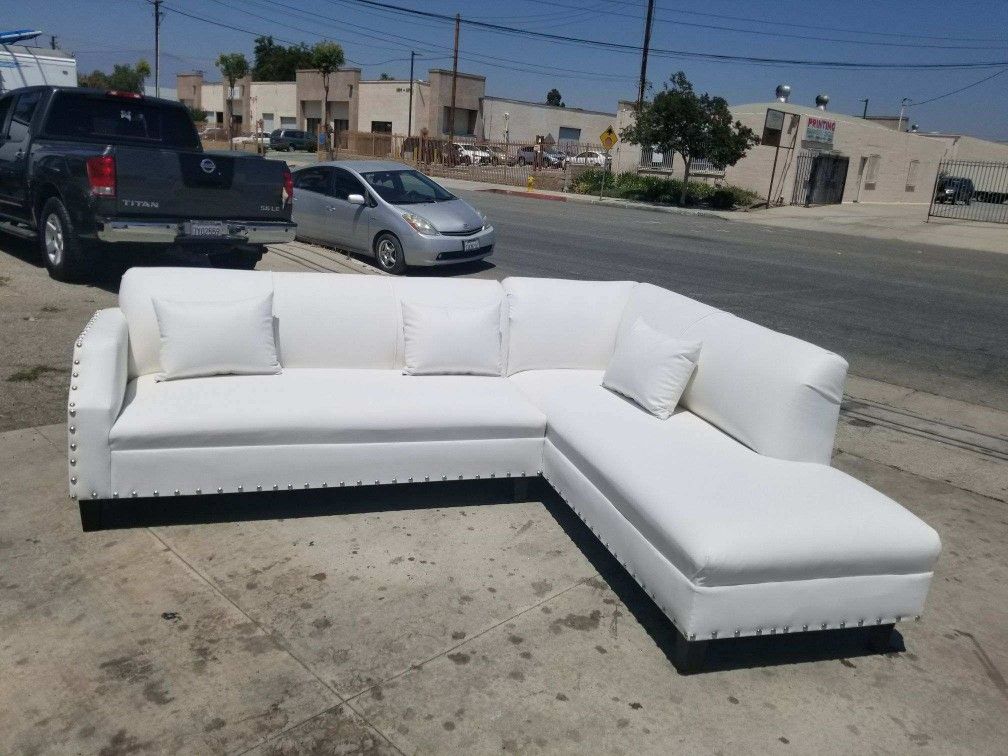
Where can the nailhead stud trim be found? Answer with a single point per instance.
(177, 492)
(220, 490)
(94, 494)
(73, 481)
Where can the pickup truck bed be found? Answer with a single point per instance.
(89, 171)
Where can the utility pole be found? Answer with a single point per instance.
(409, 128)
(644, 52)
(865, 101)
(451, 121)
(157, 47)
(903, 105)
(52, 41)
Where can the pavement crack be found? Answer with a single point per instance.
(274, 638)
(468, 639)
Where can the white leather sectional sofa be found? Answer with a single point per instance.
(728, 513)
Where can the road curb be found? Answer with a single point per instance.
(590, 200)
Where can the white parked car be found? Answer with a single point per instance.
(260, 137)
(590, 157)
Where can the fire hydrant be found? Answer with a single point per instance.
(530, 183)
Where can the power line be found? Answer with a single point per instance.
(793, 25)
(765, 33)
(484, 59)
(961, 89)
(688, 54)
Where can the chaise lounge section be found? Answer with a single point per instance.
(727, 513)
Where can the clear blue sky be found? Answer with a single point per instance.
(103, 32)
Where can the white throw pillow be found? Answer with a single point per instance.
(451, 341)
(651, 368)
(216, 338)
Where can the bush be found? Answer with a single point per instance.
(647, 188)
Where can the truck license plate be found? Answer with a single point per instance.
(205, 229)
(470, 245)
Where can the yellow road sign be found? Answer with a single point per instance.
(608, 138)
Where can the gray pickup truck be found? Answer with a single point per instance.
(89, 173)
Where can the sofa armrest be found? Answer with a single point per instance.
(778, 395)
(97, 386)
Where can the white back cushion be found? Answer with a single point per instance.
(335, 320)
(216, 338)
(662, 309)
(651, 368)
(140, 285)
(776, 394)
(452, 340)
(444, 292)
(556, 323)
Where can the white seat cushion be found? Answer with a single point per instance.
(722, 514)
(315, 405)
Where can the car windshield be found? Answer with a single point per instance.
(406, 187)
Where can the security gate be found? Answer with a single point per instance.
(974, 190)
(819, 179)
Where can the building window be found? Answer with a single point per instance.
(912, 171)
(340, 125)
(871, 171)
(568, 136)
(381, 127)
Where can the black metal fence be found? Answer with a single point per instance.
(974, 190)
(819, 179)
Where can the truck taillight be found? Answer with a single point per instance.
(288, 185)
(101, 173)
(124, 94)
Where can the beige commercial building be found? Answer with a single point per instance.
(383, 106)
(883, 163)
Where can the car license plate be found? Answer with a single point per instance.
(205, 229)
(470, 245)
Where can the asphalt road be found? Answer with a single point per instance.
(930, 318)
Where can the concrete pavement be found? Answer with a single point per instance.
(448, 618)
(415, 620)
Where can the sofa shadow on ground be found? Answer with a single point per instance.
(721, 655)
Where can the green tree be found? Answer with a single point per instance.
(385, 77)
(553, 97)
(233, 66)
(197, 114)
(327, 57)
(124, 77)
(275, 62)
(678, 120)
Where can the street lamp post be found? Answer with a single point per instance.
(507, 117)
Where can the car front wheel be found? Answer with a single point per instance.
(389, 254)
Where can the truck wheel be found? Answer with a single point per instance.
(61, 249)
(389, 254)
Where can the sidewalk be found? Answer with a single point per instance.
(440, 620)
(889, 222)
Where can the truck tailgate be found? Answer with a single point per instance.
(153, 182)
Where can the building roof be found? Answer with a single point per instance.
(546, 105)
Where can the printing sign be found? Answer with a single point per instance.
(820, 130)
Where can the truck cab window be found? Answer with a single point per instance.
(24, 109)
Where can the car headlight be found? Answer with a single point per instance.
(482, 215)
(420, 224)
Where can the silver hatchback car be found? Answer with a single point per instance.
(390, 211)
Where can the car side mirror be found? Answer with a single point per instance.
(356, 199)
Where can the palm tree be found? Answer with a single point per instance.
(233, 66)
(327, 57)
